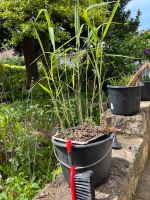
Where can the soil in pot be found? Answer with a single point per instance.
(146, 91)
(124, 100)
(95, 156)
(85, 133)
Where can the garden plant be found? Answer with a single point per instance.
(70, 53)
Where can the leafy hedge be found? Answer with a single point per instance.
(27, 161)
(14, 60)
(12, 82)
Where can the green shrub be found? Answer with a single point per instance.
(13, 84)
(18, 188)
(12, 81)
(15, 60)
(146, 78)
(122, 81)
(26, 150)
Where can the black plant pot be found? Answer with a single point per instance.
(146, 91)
(124, 100)
(95, 156)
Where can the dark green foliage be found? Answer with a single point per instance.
(126, 24)
(4, 34)
(121, 81)
(12, 82)
(18, 188)
(15, 60)
(22, 14)
(122, 48)
(147, 78)
(26, 157)
(123, 54)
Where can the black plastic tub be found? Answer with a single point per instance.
(146, 91)
(94, 156)
(124, 100)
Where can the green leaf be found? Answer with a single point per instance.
(50, 28)
(110, 20)
(44, 88)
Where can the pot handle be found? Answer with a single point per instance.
(78, 168)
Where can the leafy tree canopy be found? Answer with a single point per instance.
(19, 19)
(20, 15)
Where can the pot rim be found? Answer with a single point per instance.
(82, 146)
(122, 86)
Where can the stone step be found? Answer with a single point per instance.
(143, 190)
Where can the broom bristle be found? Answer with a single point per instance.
(84, 186)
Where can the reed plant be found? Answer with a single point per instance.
(73, 102)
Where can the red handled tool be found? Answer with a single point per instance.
(72, 170)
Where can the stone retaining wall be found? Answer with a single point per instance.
(127, 163)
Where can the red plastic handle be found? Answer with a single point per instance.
(68, 145)
(72, 183)
(72, 171)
